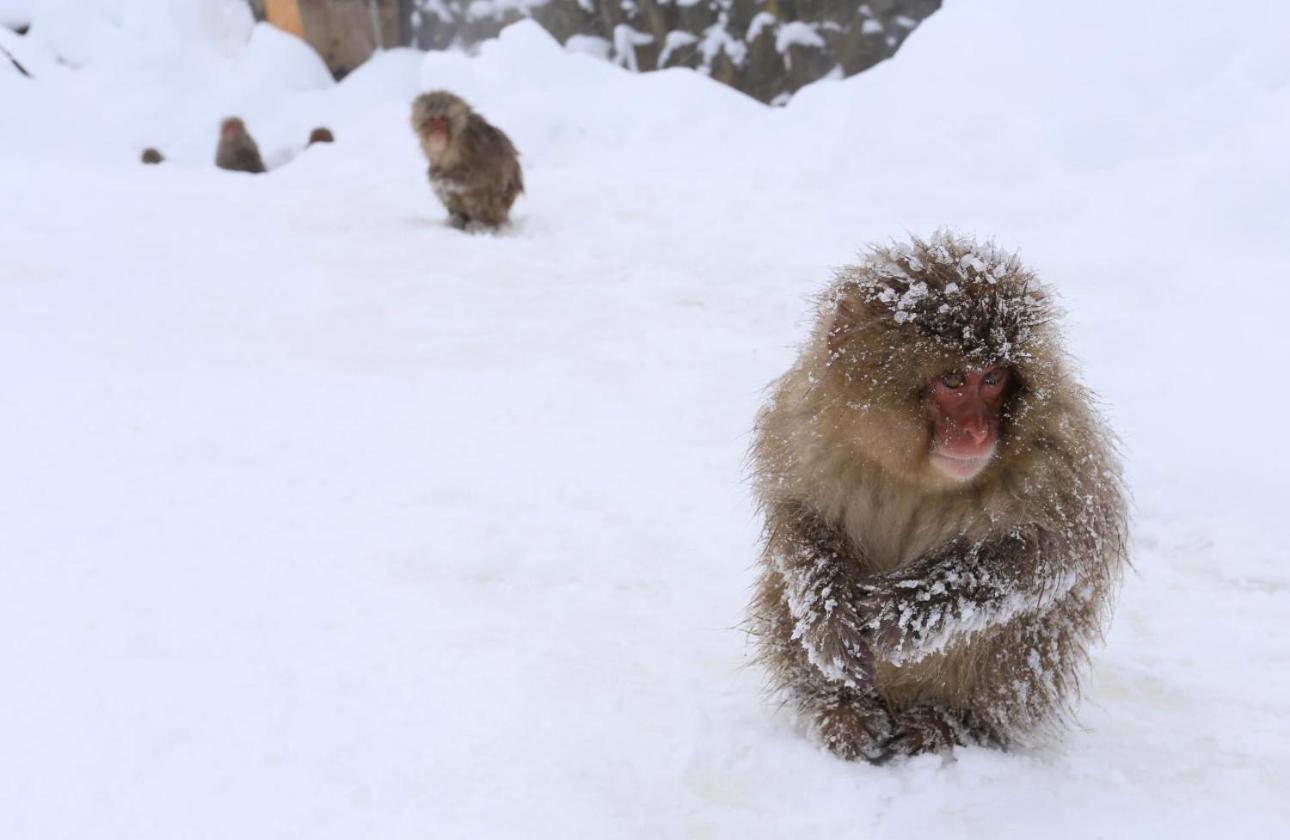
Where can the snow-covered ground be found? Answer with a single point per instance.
(321, 519)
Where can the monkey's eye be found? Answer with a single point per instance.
(995, 376)
(952, 380)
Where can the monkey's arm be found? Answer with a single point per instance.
(819, 573)
(961, 590)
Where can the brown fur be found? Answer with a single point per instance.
(321, 135)
(237, 150)
(151, 156)
(900, 612)
(476, 174)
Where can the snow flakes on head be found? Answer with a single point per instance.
(968, 298)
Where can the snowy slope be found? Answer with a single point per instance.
(321, 519)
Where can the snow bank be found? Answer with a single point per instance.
(148, 75)
(15, 13)
(322, 518)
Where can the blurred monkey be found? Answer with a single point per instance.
(474, 169)
(237, 150)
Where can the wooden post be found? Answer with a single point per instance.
(285, 14)
(344, 32)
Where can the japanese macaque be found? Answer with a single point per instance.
(151, 156)
(236, 150)
(945, 520)
(474, 169)
(321, 135)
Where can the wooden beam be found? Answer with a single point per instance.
(285, 14)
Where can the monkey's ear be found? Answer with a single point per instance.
(845, 322)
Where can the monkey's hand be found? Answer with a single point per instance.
(963, 589)
(817, 568)
(834, 638)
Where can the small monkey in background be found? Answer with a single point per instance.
(151, 156)
(237, 151)
(474, 169)
(945, 521)
(321, 135)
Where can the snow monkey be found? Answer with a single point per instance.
(321, 134)
(237, 151)
(474, 169)
(151, 156)
(945, 520)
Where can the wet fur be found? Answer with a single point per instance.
(975, 603)
(477, 173)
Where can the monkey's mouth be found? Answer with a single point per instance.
(961, 467)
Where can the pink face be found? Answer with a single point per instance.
(437, 127)
(966, 406)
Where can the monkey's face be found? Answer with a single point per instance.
(437, 118)
(436, 131)
(941, 360)
(966, 407)
(231, 128)
(935, 423)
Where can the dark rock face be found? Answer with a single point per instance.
(765, 48)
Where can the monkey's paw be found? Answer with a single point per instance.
(840, 651)
(855, 729)
(897, 615)
(923, 729)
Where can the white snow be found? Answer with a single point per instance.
(797, 33)
(674, 41)
(760, 21)
(717, 39)
(590, 44)
(493, 9)
(319, 518)
(626, 40)
(15, 13)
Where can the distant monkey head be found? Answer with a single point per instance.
(231, 128)
(438, 118)
(938, 351)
